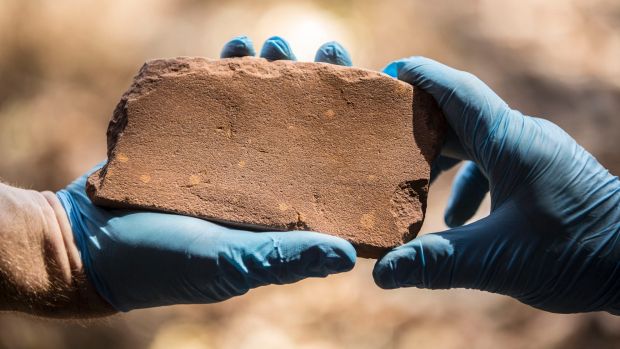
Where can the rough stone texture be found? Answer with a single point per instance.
(274, 145)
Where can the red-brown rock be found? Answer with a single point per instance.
(274, 145)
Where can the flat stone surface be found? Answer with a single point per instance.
(275, 146)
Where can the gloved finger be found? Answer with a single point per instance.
(442, 164)
(333, 53)
(471, 108)
(468, 256)
(276, 48)
(468, 190)
(239, 46)
(246, 260)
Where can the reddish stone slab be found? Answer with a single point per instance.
(274, 145)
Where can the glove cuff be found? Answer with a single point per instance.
(79, 228)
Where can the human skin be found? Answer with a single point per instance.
(41, 272)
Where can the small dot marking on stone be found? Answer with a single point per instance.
(329, 113)
(194, 179)
(367, 220)
(145, 178)
(122, 157)
(283, 207)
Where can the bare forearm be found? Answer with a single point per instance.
(40, 268)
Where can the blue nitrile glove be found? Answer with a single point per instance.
(552, 239)
(145, 259)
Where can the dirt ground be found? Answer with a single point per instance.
(64, 65)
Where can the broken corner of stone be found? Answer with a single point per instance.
(274, 146)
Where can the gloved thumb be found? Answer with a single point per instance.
(460, 257)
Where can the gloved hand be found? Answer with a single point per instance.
(552, 239)
(146, 259)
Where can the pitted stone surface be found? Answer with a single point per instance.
(274, 146)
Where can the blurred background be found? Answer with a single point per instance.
(65, 63)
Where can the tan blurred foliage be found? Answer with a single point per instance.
(65, 63)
